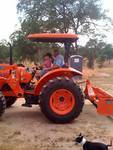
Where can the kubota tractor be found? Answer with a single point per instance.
(59, 97)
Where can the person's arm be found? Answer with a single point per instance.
(59, 61)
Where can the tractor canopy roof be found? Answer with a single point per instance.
(53, 37)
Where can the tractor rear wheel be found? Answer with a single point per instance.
(10, 101)
(2, 104)
(61, 100)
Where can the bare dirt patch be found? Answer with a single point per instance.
(27, 129)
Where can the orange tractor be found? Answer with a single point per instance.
(58, 95)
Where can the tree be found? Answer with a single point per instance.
(25, 49)
(61, 15)
(22, 48)
(101, 58)
(92, 47)
(106, 54)
(4, 51)
(79, 16)
(108, 51)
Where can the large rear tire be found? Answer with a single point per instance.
(2, 104)
(10, 101)
(61, 100)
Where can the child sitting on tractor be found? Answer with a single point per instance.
(47, 64)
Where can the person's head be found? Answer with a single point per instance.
(47, 60)
(55, 52)
(47, 56)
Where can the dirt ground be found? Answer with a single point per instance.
(27, 128)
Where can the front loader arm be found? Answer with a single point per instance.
(14, 84)
(13, 81)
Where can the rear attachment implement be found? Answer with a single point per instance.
(102, 100)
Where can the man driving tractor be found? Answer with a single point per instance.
(58, 58)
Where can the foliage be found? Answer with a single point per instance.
(60, 15)
(4, 51)
(101, 59)
(96, 49)
(22, 48)
(92, 47)
(25, 49)
(77, 16)
(106, 54)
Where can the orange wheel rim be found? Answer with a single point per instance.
(62, 101)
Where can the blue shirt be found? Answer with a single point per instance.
(59, 60)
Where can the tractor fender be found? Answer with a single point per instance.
(67, 72)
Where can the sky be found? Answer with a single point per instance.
(9, 18)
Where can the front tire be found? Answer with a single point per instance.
(2, 104)
(61, 100)
(10, 101)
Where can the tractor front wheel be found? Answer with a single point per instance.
(2, 104)
(10, 101)
(61, 100)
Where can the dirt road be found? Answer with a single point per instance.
(27, 129)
